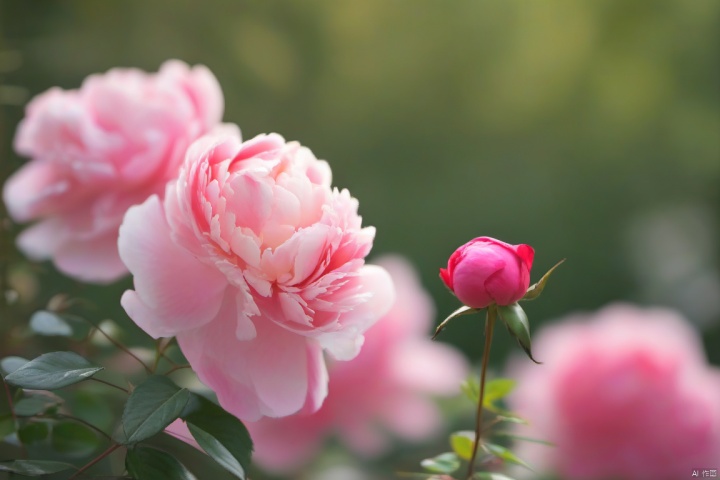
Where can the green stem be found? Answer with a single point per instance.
(78, 420)
(119, 345)
(12, 411)
(489, 324)
(110, 384)
(96, 460)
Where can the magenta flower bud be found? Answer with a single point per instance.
(486, 271)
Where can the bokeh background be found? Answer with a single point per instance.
(589, 130)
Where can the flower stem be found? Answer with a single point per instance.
(118, 344)
(109, 384)
(96, 460)
(489, 324)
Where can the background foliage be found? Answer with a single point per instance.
(590, 130)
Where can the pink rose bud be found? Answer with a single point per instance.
(486, 271)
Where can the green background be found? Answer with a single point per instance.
(589, 130)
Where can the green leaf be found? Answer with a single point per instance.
(34, 405)
(490, 476)
(518, 325)
(7, 425)
(535, 290)
(10, 364)
(462, 443)
(513, 436)
(51, 371)
(33, 432)
(221, 435)
(51, 324)
(146, 463)
(498, 388)
(505, 454)
(152, 406)
(464, 310)
(74, 439)
(34, 468)
(443, 463)
(471, 388)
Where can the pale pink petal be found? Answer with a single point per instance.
(180, 291)
(95, 259)
(275, 374)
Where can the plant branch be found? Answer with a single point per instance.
(489, 324)
(110, 384)
(118, 345)
(12, 410)
(80, 420)
(96, 460)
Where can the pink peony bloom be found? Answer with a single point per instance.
(624, 394)
(486, 271)
(97, 151)
(384, 389)
(256, 265)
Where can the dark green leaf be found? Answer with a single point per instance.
(518, 325)
(535, 290)
(152, 406)
(464, 310)
(34, 405)
(52, 370)
(443, 463)
(146, 463)
(10, 364)
(221, 435)
(7, 425)
(51, 324)
(34, 468)
(462, 443)
(504, 454)
(74, 439)
(33, 433)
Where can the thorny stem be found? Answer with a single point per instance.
(489, 324)
(96, 460)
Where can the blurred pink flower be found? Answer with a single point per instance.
(486, 271)
(256, 264)
(97, 151)
(384, 389)
(625, 394)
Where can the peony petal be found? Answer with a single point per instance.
(375, 282)
(93, 260)
(181, 292)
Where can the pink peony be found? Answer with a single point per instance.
(384, 389)
(624, 394)
(256, 264)
(486, 271)
(97, 151)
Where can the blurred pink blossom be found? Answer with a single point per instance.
(625, 393)
(385, 389)
(257, 265)
(98, 150)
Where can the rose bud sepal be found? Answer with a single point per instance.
(464, 310)
(518, 325)
(536, 289)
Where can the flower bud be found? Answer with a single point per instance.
(486, 271)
